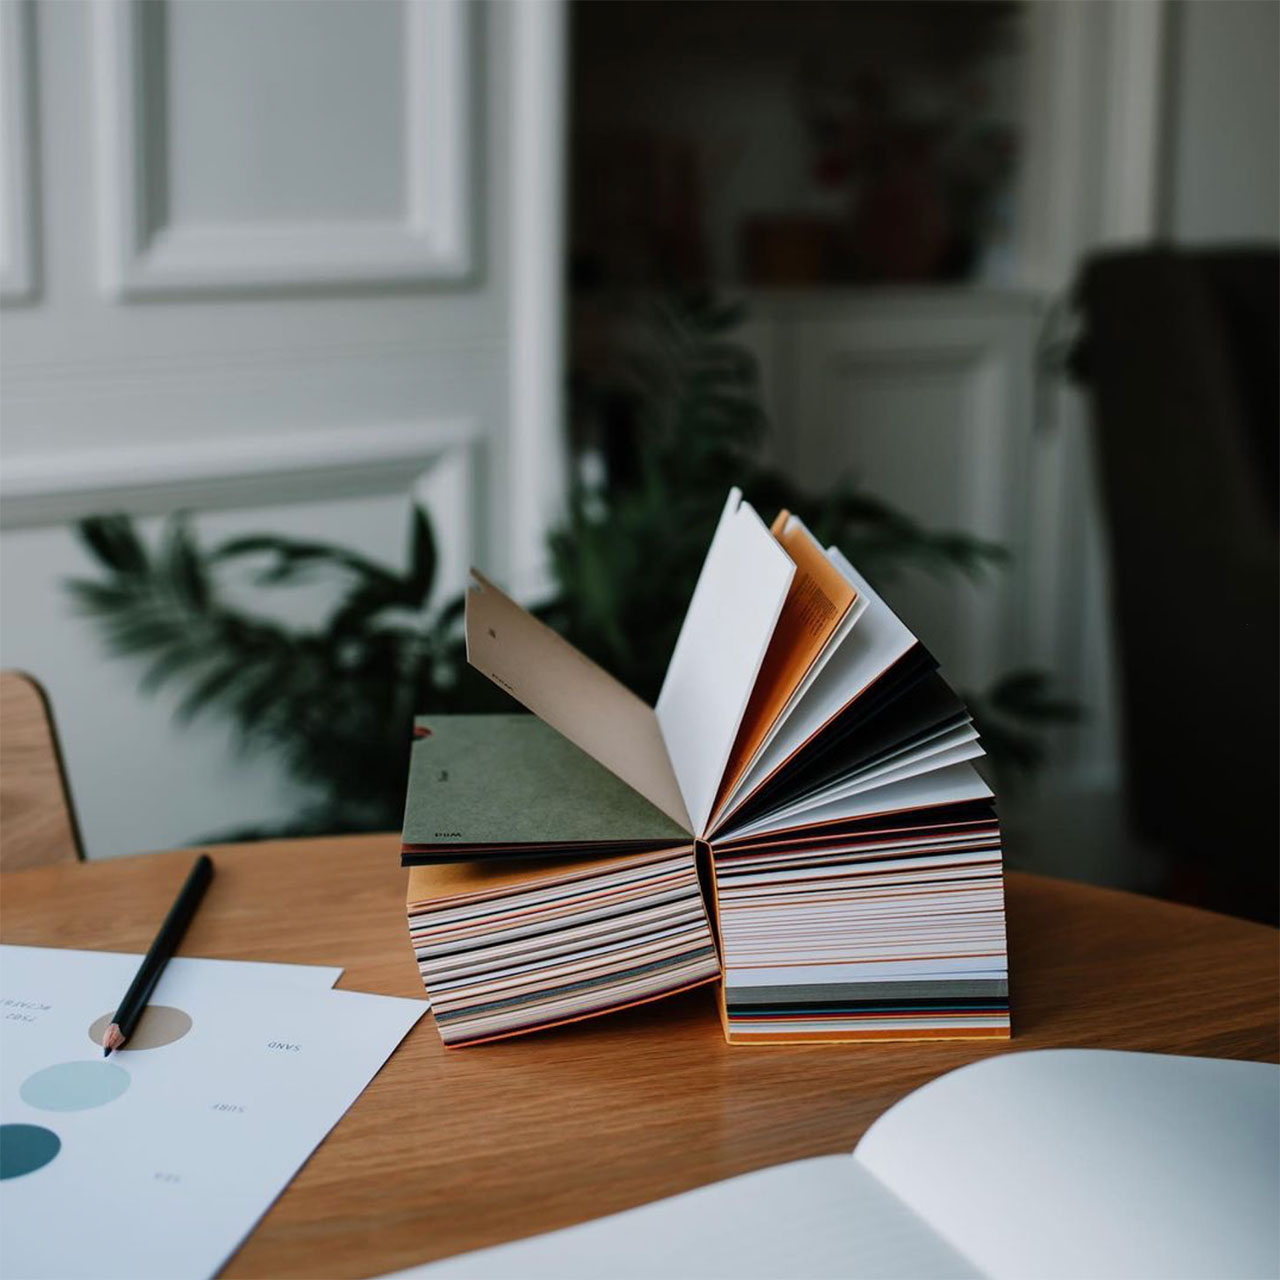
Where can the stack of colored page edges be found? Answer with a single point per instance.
(804, 754)
(504, 949)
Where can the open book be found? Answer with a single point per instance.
(804, 747)
(1065, 1163)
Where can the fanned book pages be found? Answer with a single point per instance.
(804, 754)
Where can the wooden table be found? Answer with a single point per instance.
(451, 1151)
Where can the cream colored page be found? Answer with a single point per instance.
(1071, 1162)
(569, 692)
(717, 657)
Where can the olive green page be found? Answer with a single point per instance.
(503, 780)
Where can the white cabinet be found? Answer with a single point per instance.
(925, 399)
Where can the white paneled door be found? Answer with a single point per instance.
(924, 399)
(281, 265)
(259, 145)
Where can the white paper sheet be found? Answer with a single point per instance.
(125, 965)
(952, 785)
(1068, 1163)
(158, 1161)
(814, 1218)
(713, 668)
(1054, 1163)
(956, 748)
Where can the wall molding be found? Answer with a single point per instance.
(140, 256)
(1093, 92)
(991, 424)
(145, 479)
(1131, 182)
(537, 463)
(18, 257)
(263, 367)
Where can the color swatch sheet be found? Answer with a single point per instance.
(166, 1154)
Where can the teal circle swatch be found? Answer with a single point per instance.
(24, 1148)
(74, 1086)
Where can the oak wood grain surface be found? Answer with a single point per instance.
(448, 1151)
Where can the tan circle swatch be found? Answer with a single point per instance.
(159, 1025)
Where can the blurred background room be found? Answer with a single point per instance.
(310, 304)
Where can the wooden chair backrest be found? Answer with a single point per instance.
(37, 823)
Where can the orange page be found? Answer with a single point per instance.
(442, 881)
(814, 608)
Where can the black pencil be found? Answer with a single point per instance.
(153, 963)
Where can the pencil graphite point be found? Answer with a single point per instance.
(130, 1009)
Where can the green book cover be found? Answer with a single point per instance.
(512, 780)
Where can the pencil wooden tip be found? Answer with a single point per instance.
(111, 1039)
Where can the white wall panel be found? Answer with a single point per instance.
(928, 398)
(1223, 180)
(926, 401)
(234, 471)
(261, 144)
(18, 254)
(318, 399)
(265, 112)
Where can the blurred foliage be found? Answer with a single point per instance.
(625, 562)
(334, 702)
(1011, 718)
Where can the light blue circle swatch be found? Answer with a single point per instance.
(24, 1148)
(74, 1086)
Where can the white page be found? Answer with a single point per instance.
(744, 867)
(126, 964)
(954, 747)
(713, 669)
(952, 785)
(798, 975)
(183, 1146)
(814, 1218)
(923, 864)
(854, 613)
(878, 641)
(899, 771)
(885, 775)
(938, 740)
(1071, 1162)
